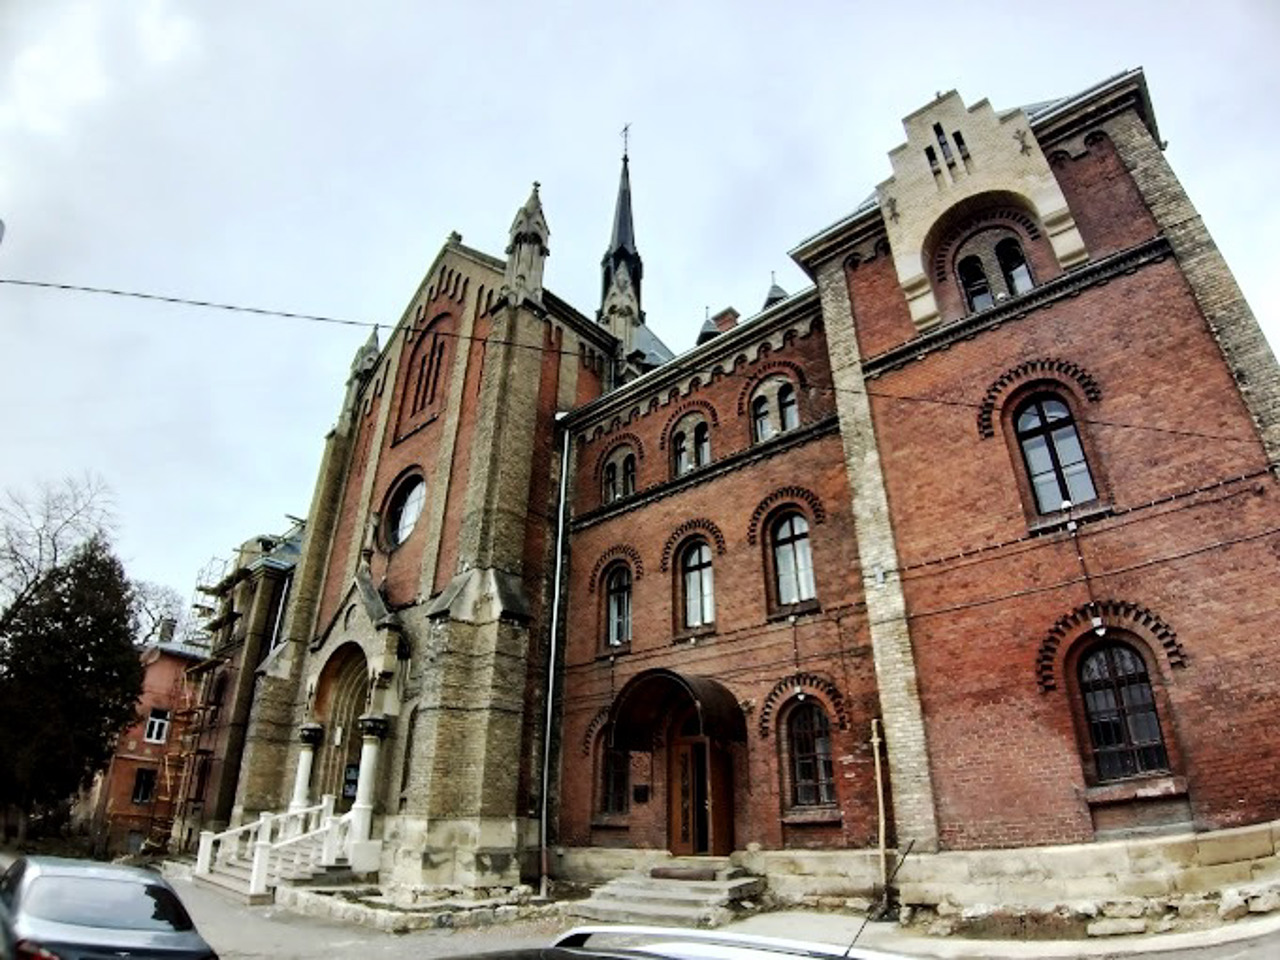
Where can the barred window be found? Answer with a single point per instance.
(809, 742)
(1124, 729)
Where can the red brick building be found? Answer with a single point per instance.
(973, 542)
(135, 798)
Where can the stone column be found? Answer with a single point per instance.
(373, 727)
(311, 734)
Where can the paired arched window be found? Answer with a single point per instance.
(701, 445)
(774, 409)
(618, 479)
(697, 586)
(1052, 453)
(991, 267)
(1120, 711)
(617, 630)
(808, 741)
(792, 560)
(690, 445)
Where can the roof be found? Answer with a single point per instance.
(655, 351)
(624, 231)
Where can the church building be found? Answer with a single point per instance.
(970, 546)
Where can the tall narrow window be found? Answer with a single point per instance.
(1120, 709)
(701, 445)
(809, 741)
(679, 454)
(699, 586)
(610, 492)
(618, 607)
(628, 474)
(973, 281)
(615, 771)
(157, 726)
(761, 424)
(792, 561)
(144, 786)
(1013, 265)
(788, 413)
(1053, 454)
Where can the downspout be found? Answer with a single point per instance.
(551, 654)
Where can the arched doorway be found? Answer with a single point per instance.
(697, 719)
(342, 694)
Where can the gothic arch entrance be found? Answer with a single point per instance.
(342, 693)
(695, 721)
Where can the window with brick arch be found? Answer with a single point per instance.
(617, 626)
(1120, 711)
(680, 462)
(697, 586)
(808, 744)
(793, 581)
(618, 476)
(1052, 453)
(628, 475)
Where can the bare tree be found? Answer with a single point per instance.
(37, 533)
(154, 606)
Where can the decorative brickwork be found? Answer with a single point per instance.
(797, 683)
(705, 407)
(1110, 613)
(624, 551)
(1033, 369)
(784, 495)
(792, 371)
(682, 532)
(589, 737)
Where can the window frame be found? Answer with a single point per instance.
(1007, 273)
(141, 776)
(681, 462)
(686, 574)
(157, 728)
(613, 781)
(399, 494)
(778, 609)
(619, 474)
(1158, 704)
(774, 408)
(611, 643)
(1045, 432)
(969, 285)
(825, 797)
(701, 444)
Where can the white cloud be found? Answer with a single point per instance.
(163, 35)
(57, 75)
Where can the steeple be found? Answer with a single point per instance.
(621, 265)
(528, 250)
(775, 295)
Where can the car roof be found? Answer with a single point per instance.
(69, 867)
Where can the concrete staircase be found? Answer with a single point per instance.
(683, 892)
(297, 867)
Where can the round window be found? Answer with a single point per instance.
(404, 509)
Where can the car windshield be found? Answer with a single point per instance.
(103, 902)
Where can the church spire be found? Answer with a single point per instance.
(622, 256)
(528, 250)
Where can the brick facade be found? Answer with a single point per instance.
(846, 474)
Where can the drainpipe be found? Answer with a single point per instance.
(884, 863)
(551, 653)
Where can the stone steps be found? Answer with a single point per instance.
(233, 875)
(680, 894)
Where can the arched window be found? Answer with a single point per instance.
(1124, 729)
(701, 445)
(809, 743)
(792, 562)
(761, 423)
(679, 454)
(615, 776)
(788, 413)
(973, 281)
(698, 585)
(1013, 266)
(617, 631)
(610, 492)
(628, 474)
(1053, 454)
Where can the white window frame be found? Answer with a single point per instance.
(157, 726)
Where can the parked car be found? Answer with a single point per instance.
(645, 943)
(65, 909)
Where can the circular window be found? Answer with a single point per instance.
(403, 510)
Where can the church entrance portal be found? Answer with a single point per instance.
(341, 697)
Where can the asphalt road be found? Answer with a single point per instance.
(243, 933)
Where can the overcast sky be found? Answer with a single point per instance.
(313, 157)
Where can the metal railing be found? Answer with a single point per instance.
(302, 839)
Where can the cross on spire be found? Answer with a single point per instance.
(626, 136)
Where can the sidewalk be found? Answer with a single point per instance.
(841, 928)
